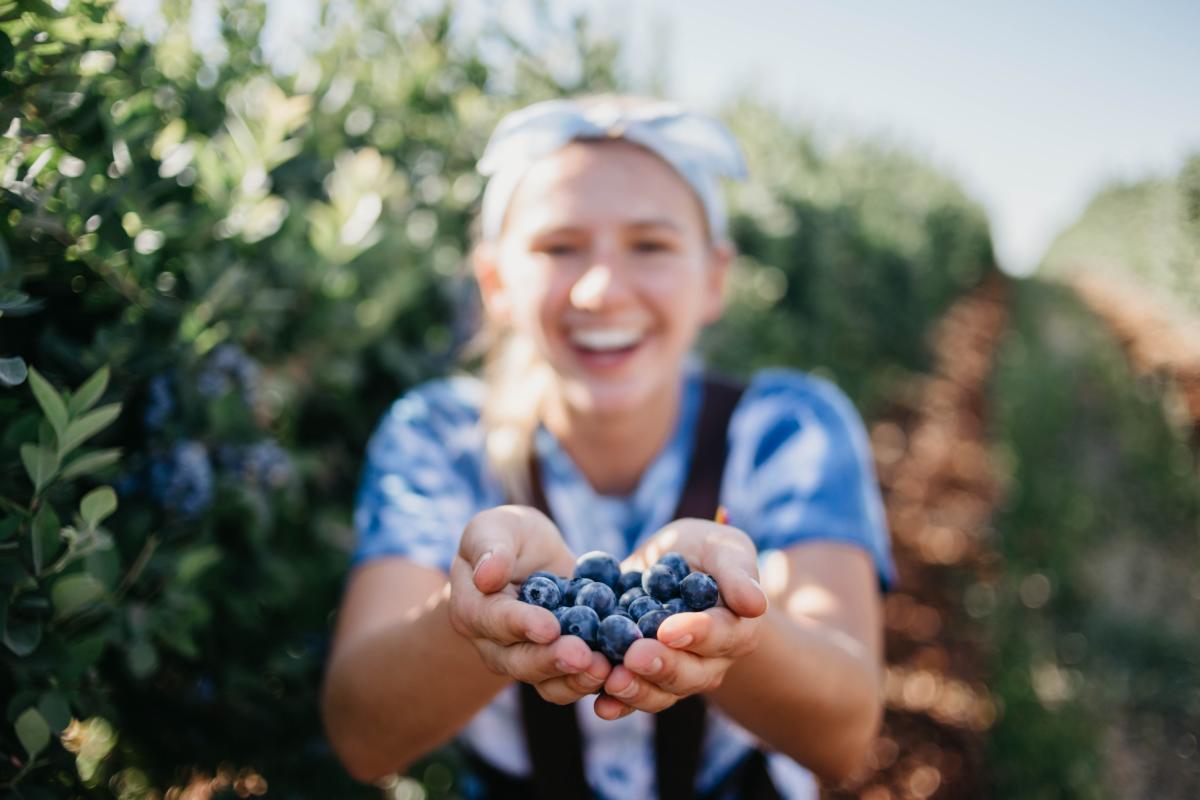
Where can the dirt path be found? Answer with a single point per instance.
(1156, 343)
(940, 491)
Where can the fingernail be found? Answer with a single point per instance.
(596, 677)
(682, 641)
(482, 559)
(654, 667)
(628, 691)
(564, 666)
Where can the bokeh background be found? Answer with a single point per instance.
(232, 232)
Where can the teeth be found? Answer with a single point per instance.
(606, 338)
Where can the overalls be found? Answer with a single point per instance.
(552, 731)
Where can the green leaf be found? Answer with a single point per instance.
(20, 636)
(195, 562)
(13, 371)
(89, 393)
(87, 426)
(91, 462)
(82, 654)
(14, 303)
(75, 592)
(40, 463)
(12, 571)
(142, 659)
(42, 9)
(96, 505)
(46, 539)
(56, 710)
(50, 401)
(7, 58)
(33, 731)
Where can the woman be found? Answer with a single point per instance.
(603, 255)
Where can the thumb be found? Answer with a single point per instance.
(735, 569)
(743, 594)
(488, 546)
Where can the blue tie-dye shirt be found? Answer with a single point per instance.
(798, 469)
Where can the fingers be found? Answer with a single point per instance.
(536, 663)
(489, 548)
(715, 633)
(507, 543)
(731, 558)
(634, 692)
(571, 688)
(677, 672)
(610, 708)
(499, 616)
(505, 620)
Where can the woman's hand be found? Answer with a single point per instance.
(499, 548)
(693, 650)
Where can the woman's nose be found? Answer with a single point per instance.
(600, 285)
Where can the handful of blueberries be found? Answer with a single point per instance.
(610, 610)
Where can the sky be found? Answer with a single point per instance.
(1031, 106)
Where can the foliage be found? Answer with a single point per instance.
(850, 253)
(1092, 618)
(1148, 231)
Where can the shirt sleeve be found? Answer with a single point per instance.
(800, 469)
(419, 485)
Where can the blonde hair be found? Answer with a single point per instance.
(517, 379)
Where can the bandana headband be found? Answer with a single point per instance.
(698, 147)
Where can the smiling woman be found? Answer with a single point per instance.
(605, 266)
(603, 256)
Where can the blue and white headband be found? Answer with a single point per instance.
(698, 147)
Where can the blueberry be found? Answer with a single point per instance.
(560, 612)
(660, 583)
(677, 563)
(540, 592)
(598, 597)
(573, 587)
(182, 479)
(630, 596)
(643, 605)
(616, 634)
(649, 622)
(699, 591)
(560, 582)
(676, 605)
(580, 621)
(600, 567)
(627, 581)
(622, 612)
(267, 464)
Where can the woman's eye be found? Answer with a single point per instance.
(650, 247)
(558, 249)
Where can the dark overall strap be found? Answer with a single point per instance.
(679, 731)
(552, 731)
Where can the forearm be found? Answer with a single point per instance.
(396, 693)
(822, 708)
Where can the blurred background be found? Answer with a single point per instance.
(232, 232)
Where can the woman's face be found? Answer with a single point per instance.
(605, 263)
